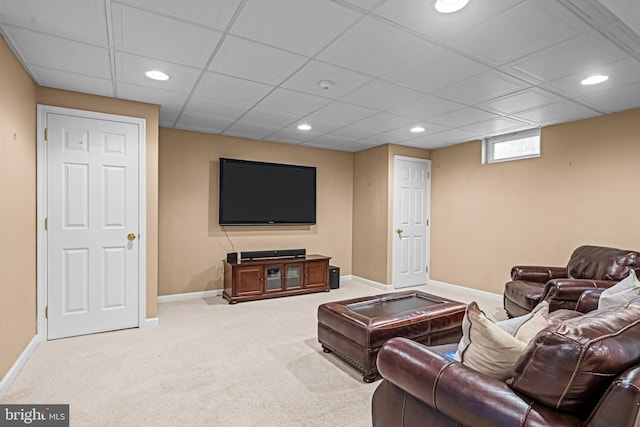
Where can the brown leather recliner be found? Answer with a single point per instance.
(590, 267)
(582, 370)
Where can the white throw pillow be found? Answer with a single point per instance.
(489, 349)
(512, 326)
(621, 293)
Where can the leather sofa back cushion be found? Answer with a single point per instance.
(569, 365)
(600, 263)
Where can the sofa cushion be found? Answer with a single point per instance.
(601, 263)
(527, 326)
(569, 365)
(620, 293)
(491, 350)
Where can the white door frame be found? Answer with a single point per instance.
(42, 208)
(394, 272)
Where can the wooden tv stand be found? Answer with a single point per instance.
(275, 277)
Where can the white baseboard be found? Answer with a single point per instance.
(19, 363)
(371, 283)
(347, 277)
(485, 294)
(153, 322)
(190, 295)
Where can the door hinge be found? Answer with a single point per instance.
(46, 134)
(428, 175)
(426, 269)
(46, 312)
(46, 223)
(427, 223)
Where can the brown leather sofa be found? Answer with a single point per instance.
(582, 370)
(590, 267)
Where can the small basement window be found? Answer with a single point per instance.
(511, 146)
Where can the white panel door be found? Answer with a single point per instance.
(92, 187)
(410, 219)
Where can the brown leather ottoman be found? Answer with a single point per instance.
(355, 329)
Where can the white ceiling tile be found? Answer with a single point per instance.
(143, 33)
(620, 73)
(329, 141)
(308, 80)
(426, 142)
(75, 82)
(374, 48)
(202, 123)
(81, 20)
(213, 14)
(254, 61)
(247, 129)
(232, 89)
(271, 118)
(364, 4)
(343, 113)
(167, 117)
(440, 68)
(420, 16)
(463, 117)
(216, 107)
(556, 113)
(519, 101)
(526, 28)
(358, 146)
(592, 11)
(292, 135)
(150, 95)
(426, 107)
(293, 102)
(616, 99)
(622, 35)
(313, 23)
(496, 127)
(61, 54)
(381, 95)
(355, 132)
(489, 85)
(281, 141)
(455, 136)
(131, 69)
(385, 122)
(584, 52)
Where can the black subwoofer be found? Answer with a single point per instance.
(334, 277)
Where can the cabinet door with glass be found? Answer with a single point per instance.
(273, 278)
(293, 276)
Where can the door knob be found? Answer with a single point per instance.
(131, 236)
(399, 231)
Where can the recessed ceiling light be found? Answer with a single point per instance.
(449, 6)
(157, 75)
(417, 129)
(304, 126)
(594, 80)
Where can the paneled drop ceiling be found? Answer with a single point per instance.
(252, 68)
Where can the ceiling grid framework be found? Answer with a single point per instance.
(251, 68)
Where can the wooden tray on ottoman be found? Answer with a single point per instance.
(355, 329)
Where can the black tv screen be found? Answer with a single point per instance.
(266, 193)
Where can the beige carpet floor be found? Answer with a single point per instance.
(209, 363)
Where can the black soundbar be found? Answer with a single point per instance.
(280, 253)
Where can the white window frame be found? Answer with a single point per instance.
(488, 145)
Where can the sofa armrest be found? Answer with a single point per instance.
(461, 393)
(538, 274)
(571, 289)
(588, 300)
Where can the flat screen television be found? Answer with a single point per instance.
(255, 193)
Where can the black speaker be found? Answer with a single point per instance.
(334, 277)
(280, 253)
(232, 257)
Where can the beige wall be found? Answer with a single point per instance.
(582, 190)
(80, 101)
(373, 210)
(193, 245)
(17, 209)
